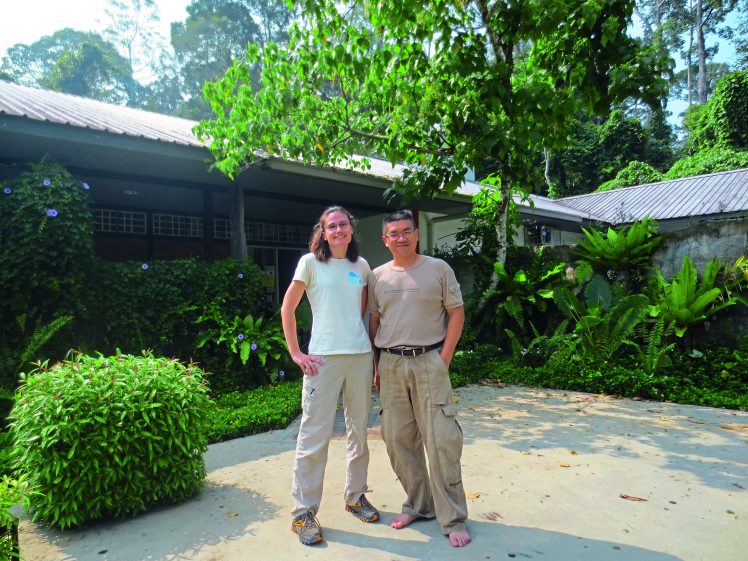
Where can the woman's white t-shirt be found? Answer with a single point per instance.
(334, 290)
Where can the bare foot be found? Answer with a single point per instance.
(402, 520)
(458, 538)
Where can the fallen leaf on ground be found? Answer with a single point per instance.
(471, 408)
(232, 514)
(565, 465)
(472, 496)
(632, 498)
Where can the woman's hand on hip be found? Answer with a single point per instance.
(308, 363)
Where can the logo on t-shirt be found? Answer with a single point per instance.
(355, 278)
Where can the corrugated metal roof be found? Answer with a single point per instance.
(65, 109)
(550, 206)
(694, 196)
(715, 193)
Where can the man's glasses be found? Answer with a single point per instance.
(338, 226)
(405, 233)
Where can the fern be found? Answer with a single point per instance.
(653, 354)
(685, 301)
(14, 360)
(629, 247)
(41, 335)
(543, 348)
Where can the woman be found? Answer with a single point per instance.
(334, 278)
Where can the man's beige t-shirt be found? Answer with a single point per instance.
(412, 304)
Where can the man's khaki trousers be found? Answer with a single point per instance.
(352, 373)
(418, 411)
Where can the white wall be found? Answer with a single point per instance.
(438, 231)
(370, 237)
(435, 230)
(568, 238)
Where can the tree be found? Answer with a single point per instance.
(682, 81)
(663, 24)
(722, 122)
(707, 17)
(575, 169)
(597, 153)
(28, 64)
(76, 62)
(132, 29)
(217, 32)
(717, 131)
(741, 42)
(442, 87)
(165, 94)
(660, 140)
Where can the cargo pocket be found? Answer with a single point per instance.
(448, 435)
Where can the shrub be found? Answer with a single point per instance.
(110, 436)
(156, 306)
(46, 250)
(6, 459)
(265, 408)
(7, 399)
(12, 492)
(728, 109)
(635, 173)
(709, 160)
(473, 365)
(253, 340)
(714, 378)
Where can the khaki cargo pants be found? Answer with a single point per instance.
(418, 412)
(319, 400)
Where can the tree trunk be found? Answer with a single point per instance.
(502, 218)
(689, 55)
(238, 236)
(701, 51)
(547, 170)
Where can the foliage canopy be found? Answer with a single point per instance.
(441, 87)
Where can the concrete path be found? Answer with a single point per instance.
(549, 475)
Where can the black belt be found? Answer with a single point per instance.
(412, 351)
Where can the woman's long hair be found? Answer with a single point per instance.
(318, 244)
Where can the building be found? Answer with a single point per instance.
(154, 194)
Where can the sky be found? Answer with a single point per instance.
(25, 21)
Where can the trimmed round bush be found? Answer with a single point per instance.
(101, 437)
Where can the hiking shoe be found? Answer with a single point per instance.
(363, 510)
(307, 527)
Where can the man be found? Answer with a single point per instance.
(409, 300)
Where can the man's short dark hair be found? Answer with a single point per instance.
(397, 216)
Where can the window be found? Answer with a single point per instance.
(263, 232)
(537, 234)
(178, 225)
(119, 221)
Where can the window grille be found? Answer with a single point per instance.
(178, 225)
(259, 232)
(537, 234)
(119, 221)
(221, 229)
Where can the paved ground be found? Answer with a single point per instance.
(550, 475)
